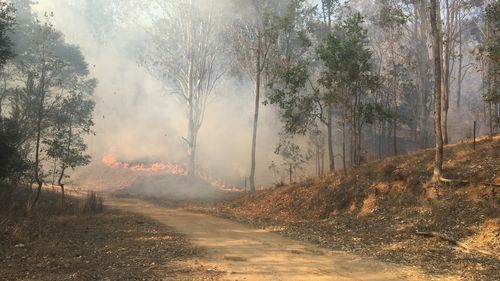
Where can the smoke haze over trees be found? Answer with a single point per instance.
(259, 89)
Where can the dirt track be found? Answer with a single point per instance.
(244, 253)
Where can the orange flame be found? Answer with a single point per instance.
(155, 167)
(173, 169)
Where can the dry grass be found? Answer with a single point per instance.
(93, 203)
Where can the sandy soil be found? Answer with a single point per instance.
(241, 252)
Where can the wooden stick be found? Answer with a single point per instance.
(451, 241)
(452, 180)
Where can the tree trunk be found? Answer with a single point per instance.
(490, 118)
(40, 116)
(380, 140)
(62, 196)
(37, 156)
(318, 163)
(490, 71)
(447, 69)
(445, 103)
(436, 34)
(3, 94)
(191, 149)
(322, 161)
(191, 122)
(343, 143)
(63, 165)
(331, 156)
(459, 74)
(423, 61)
(395, 94)
(395, 136)
(258, 72)
(360, 131)
(351, 140)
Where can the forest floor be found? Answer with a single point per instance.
(376, 209)
(356, 226)
(47, 243)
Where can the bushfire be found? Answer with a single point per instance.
(173, 169)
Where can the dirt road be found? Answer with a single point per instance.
(245, 253)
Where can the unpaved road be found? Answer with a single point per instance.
(245, 253)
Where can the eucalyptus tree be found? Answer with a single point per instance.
(71, 123)
(185, 53)
(435, 17)
(44, 71)
(349, 72)
(420, 40)
(41, 69)
(6, 24)
(11, 160)
(491, 55)
(304, 104)
(345, 85)
(453, 16)
(392, 21)
(254, 36)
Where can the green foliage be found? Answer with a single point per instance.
(71, 122)
(292, 157)
(290, 71)
(391, 15)
(493, 42)
(345, 83)
(287, 91)
(48, 105)
(6, 23)
(346, 56)
(12, 163)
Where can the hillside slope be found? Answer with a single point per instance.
(376, 209)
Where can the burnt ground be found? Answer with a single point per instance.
(47, 243)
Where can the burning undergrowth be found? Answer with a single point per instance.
(149, 179)
(169, 186)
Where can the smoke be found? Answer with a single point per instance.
(137, 120)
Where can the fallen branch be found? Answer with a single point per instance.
(452, 181)
(452, 241)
